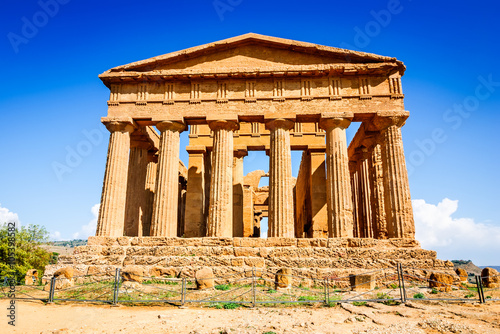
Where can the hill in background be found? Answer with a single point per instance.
(471, 267)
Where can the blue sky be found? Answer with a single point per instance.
(51, 96)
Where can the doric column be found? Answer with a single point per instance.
(399, 210)
(281, 223)
(220, 212)
(195, 214)
(114, 189)
(353, 169)
(365, 212)
(377, 193)
(238, 229)
(164, 221)
(136, 189)
(338, 185)
(150, 193)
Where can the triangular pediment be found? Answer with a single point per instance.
(252, 51)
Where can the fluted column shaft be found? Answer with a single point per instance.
(220, 212)
(365, 198)
(377, 194)
(353, 169)
(396, 185)
(164, 220)
(281, 222)
(339, 197)
(150, 193)
(136, 190)
(111, 219)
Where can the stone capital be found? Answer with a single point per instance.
(240, 153)
(383, 120)
(170, 125)
(337, 122)
(114, 126)
(280, 123)
(362, 153)
(223, 125)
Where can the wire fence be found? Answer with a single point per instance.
(258, 286)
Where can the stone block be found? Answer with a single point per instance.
(163, 272)
(246, 251)
(462, 274)
(338, 242)
(67, 272)
(215, 241)
(362, 242)
(31, 277)
(405, 243)
(441, 281)
(362, 282)
(204, 278)
(250, 242)
(284, 279)
(490, 278)
(281, 242)
(133, 273)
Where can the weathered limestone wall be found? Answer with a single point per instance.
(308, 257)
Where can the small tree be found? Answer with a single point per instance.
(27, 253)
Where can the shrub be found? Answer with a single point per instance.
(271, 291)
(419, 296)
(222, 287)
(359, 303)
(434, 291)
(230, 306)
(28, 252)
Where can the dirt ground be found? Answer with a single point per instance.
(414, 318)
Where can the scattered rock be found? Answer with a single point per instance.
(462, 274)
(67, 272)
(204, 278)
(283, 278)
(133, 273)
(490, 278)
(31, 277)
(441, 281)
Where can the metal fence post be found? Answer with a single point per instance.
(403, 282)
(51, 289)
(116, 286)
(253, 287)
(400, 282)
(183, 291)
(327, 298)
(480, 292)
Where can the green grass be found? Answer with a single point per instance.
(470, 295)
(230, 306)
(419, 296)
(388, 300)
(271, 291)
(359, 303)
(304, 298)
(434, 291)
(222, 287)
(269, 332)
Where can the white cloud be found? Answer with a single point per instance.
(56, 236)
(7, 216)
(90, 228)
(455, 238)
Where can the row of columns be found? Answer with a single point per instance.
(340, 205)
(379, 182)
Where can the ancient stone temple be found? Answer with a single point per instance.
(348, 207)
